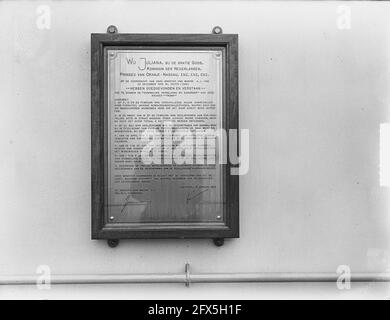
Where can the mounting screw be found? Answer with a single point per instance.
(219, 217)
(112, 243)
(112, 29)
(112, 218)
(217, 30)
(219, 242)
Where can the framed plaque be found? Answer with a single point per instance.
(162, 108)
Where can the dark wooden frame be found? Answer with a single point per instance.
(101, 229)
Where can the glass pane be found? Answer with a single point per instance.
(164, 109)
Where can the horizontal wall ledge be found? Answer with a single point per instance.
(188, 278)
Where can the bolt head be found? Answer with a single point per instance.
(217, 30)
(112, 29)
(112, 243)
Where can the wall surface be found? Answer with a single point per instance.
(312, 95)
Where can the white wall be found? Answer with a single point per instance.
(312, 95)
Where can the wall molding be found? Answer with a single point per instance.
(188, 278)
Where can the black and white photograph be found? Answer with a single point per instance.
(194, 155)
